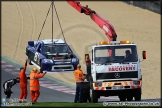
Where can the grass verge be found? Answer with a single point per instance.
(71, 104)
(67, 104)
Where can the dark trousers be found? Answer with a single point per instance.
(78, 93)
(8, 93)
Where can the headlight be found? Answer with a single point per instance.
(48, 61)
(99, 84)
(136, 82)
(74, 60)
(98, 64)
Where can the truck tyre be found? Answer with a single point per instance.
(122, 98)
(84, 99)
(137, 95)
(129, 96)
(89, 99)
(93, 95)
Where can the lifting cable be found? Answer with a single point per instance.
(52, 27)
(53, 6)
(61, 27)
(45, 21)
(59, 22)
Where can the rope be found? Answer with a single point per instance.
(53, 6)
(60, 25)
(45, 21)
(52, 26)
(59, 22)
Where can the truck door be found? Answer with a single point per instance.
(93, 67)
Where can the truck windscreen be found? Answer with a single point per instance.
(55, 49)
(122, 53)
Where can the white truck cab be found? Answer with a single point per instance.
(114, 70)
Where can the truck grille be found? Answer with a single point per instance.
(119, 75)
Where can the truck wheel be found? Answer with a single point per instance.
(93, 95)
(129, 98)
(85, 99)
(85, 95)
(89, 99)
(122, 98)
(137, 95)
(29, 61)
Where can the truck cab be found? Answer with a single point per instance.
(114, 70)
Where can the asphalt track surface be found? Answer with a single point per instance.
(48, 95)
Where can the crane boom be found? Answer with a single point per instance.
(102, 23)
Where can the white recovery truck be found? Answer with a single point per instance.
(114, 70)
(110, 71)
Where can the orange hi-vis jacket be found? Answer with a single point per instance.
(78, 74)
(34, 80)
(23, 78)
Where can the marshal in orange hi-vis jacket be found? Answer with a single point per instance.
(23, 83)
(79, 78)
(79, 75)
(34, 84)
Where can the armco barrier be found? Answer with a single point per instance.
(154, 6)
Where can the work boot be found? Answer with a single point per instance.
(20, 100)
(33, 102)
(24, 101)
(7, 103)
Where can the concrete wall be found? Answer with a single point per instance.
(154, 6)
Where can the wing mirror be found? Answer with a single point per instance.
(144, 54)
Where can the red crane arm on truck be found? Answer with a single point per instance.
(102, 23)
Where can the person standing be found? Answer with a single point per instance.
(79, 78)
(34, 84)
(23, 83)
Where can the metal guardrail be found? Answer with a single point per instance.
(154, 6)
